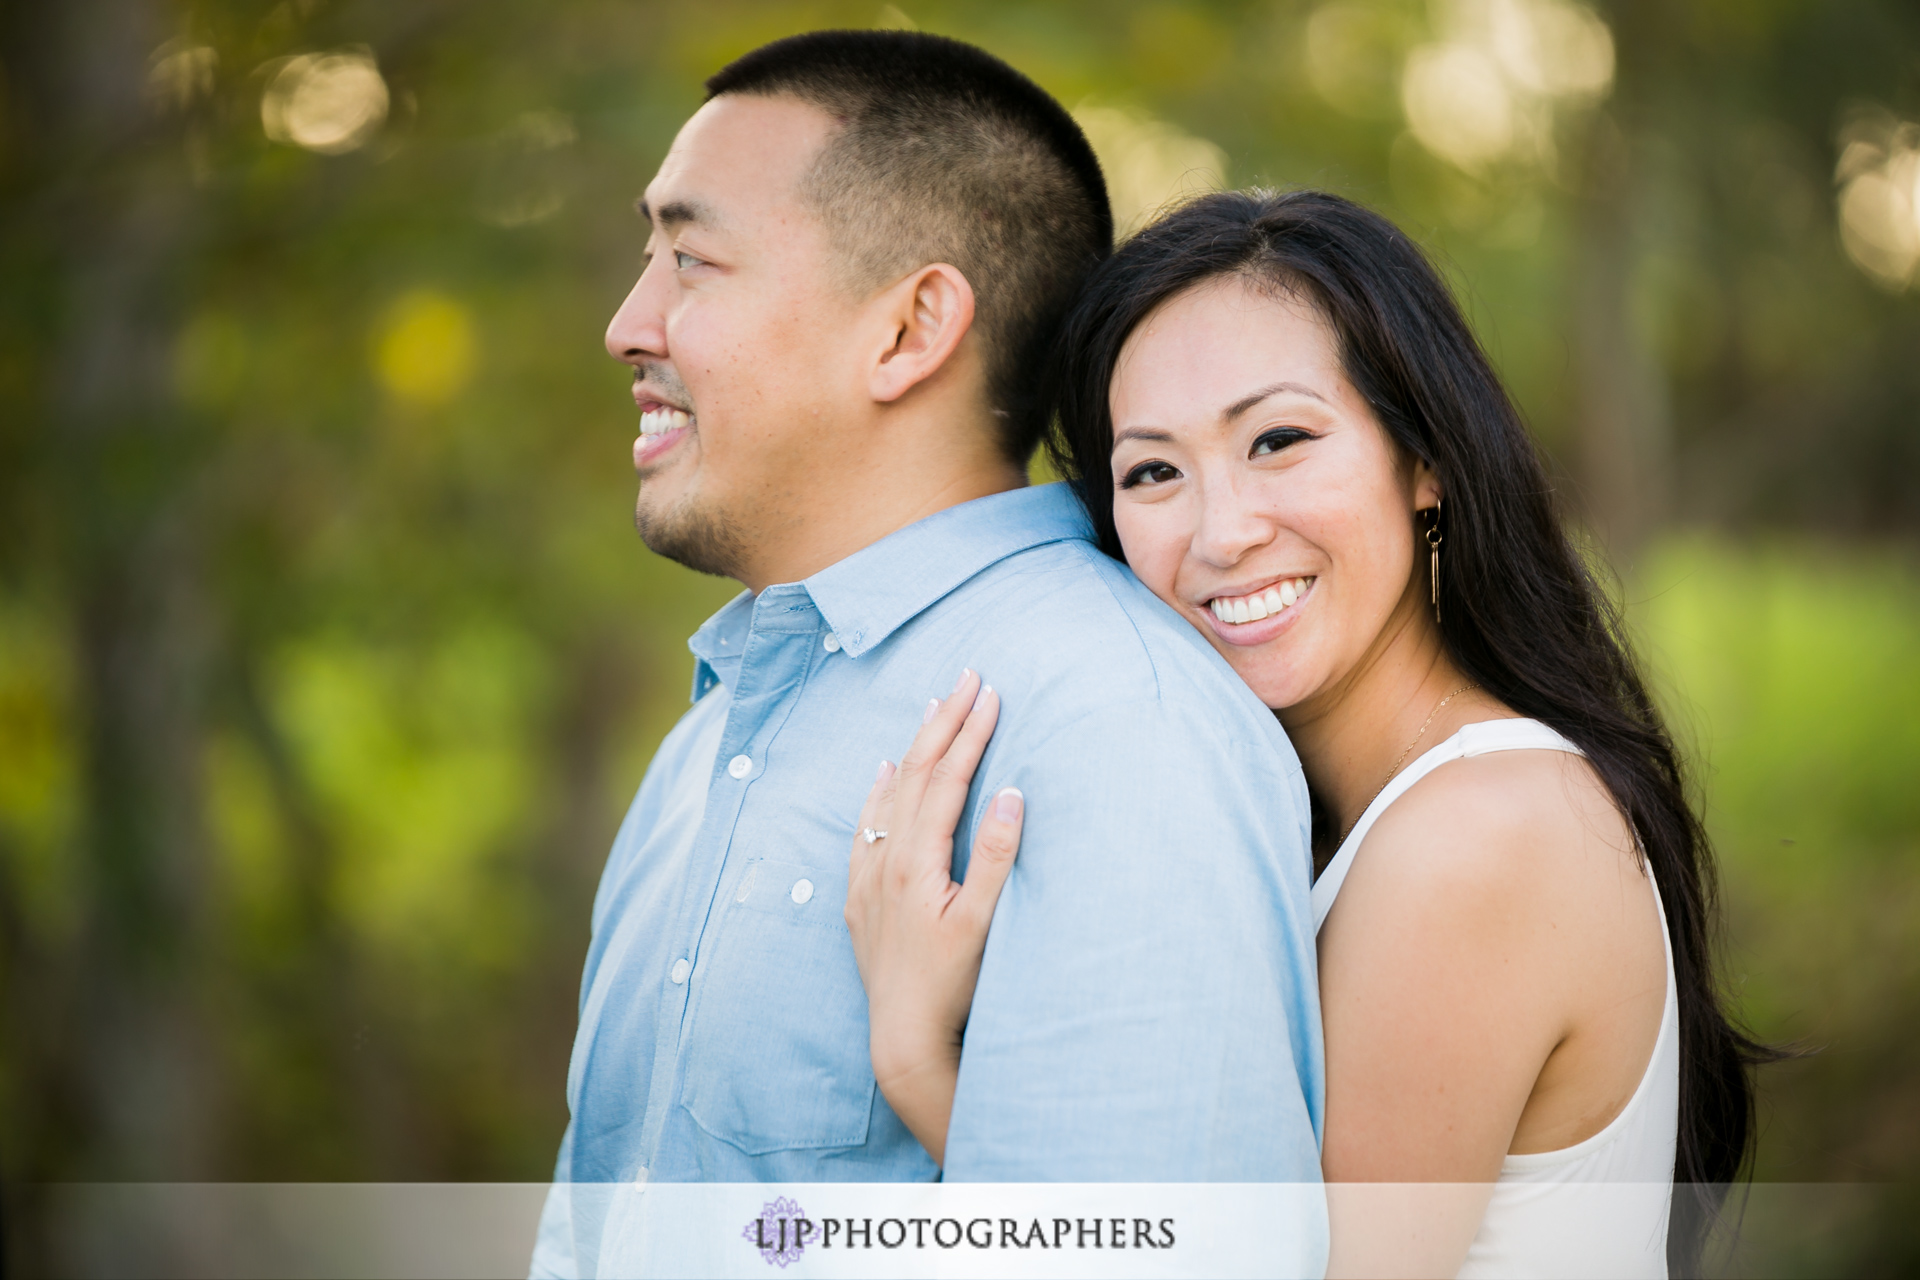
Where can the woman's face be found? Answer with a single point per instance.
(1255, 492)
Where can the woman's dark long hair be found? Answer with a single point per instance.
(1520, 611)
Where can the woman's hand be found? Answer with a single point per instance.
(918, 936)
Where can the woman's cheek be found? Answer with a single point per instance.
(1151, 551)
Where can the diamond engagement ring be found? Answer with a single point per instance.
(871, 836)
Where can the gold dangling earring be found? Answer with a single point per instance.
(1434, 539)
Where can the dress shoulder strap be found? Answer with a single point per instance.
(1472, 740)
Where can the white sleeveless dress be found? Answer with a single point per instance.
(1599, 1207)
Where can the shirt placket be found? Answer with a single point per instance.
(771, 675)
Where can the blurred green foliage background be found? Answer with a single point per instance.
(328, 659)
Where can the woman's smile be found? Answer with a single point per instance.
(1257, 616)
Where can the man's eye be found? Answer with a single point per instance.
(684, 260)
(1150, 473)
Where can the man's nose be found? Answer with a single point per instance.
(638, 329)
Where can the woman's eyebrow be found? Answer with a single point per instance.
(1245, 403)
(1143, 433)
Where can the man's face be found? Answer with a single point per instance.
(731, 331)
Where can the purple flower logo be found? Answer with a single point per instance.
(779, 1232)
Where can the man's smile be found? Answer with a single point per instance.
(661, 427)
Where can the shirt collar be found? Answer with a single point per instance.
(872, 593)
(875, 591)
(718, 644)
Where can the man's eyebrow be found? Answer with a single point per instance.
(1245, 403)
(677, 213)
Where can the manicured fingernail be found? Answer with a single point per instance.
(884, 766)
(933, 709)
(1006, 805)
(964, 673)
(981, 697)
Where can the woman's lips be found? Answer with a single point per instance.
(1289, 593)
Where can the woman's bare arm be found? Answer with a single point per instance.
(1494, 920)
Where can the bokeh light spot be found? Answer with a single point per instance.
(1552, 48)
(1458, 105)
(424, 351)
(1491, 89)
(1149, 164)
(179, 72)
(326, 102)
(522, 185)
(1879, 196)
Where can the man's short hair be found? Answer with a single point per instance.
(947, 154)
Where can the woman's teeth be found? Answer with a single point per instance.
(1262, 604)
(656, 421)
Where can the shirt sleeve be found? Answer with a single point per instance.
(1148, 1008)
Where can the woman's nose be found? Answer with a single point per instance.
(1231, 526)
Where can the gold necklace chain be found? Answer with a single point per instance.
(1404, 754)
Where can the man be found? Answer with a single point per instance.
(861, 247)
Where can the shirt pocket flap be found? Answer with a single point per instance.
(777, 1055)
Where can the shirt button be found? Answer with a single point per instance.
(830, 642)
(802, 890)
(740, 766)
(680, 971)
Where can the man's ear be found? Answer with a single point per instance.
(927, 315)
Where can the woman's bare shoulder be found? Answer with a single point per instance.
(1505, 889)
(1482, 835)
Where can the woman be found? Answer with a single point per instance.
(1278, 417)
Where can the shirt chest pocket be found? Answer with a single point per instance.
(777, 1055)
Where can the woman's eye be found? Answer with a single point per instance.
(684, 260)
(1275, 441)
(1150, 473)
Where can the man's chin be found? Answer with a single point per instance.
(689, 533)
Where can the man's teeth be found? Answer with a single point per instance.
(655, 421)
(1263, 604)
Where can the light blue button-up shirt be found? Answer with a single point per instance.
(1147, 1008)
